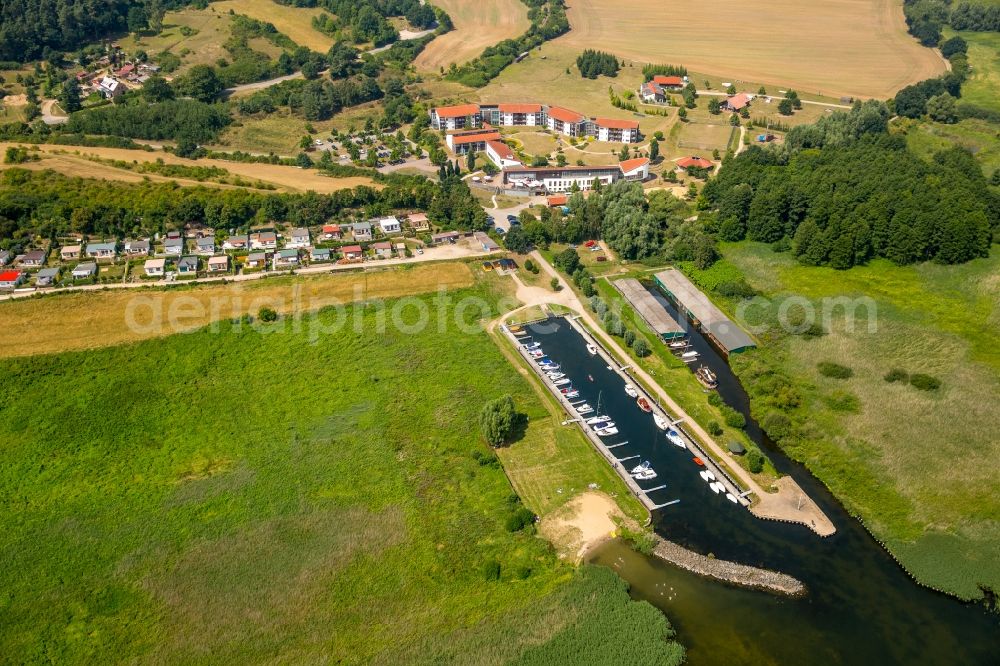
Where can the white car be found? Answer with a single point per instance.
(420, 250)
(318, 142)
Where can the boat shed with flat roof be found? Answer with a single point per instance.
(654, 314)
(723, 330)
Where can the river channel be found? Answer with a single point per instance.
(861, 607)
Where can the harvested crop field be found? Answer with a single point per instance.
(87, 320)
(841, 47)
(295, 22)
(71, 161)
(477, 25)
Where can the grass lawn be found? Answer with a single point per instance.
(211, 29)
(262, 497)
(705, 137)
(983, 85)
(918, 466)
(977, 136)
(278, 133)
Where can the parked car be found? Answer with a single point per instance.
(420, 250)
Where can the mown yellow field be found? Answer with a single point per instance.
(295, 22)
(71, 161)
(837, 47)
(477, 25)
(211, 30)
(87, 320)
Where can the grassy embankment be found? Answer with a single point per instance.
(918, 466)
(302, 501)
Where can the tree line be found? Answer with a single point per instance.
(593, 63)
(845, 191)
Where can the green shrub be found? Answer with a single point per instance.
(629, 337)
(777, 425)
(267, 315)
(529, 265)
(640, 348)
(733, 418)
(755, 461)
(714, 428)
(520, 519)
(897, 375)
(714, 399)
(834, 370)
(843, 401)
(491, 570)
(924, 382)
(497, 420)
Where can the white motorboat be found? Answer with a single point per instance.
(548, 365)
(592, 349)
(599, 419)
(556, 375)
(690, 357)
(561, 382)
(607, 431)
(645, 475)
(674, 438)
(679, 344)
(532, 345)
(584, 409)
(640, 467)
(538, 353)
(572, 394)
(732, 498)
(704, 476)
(661, 422)
(711, 477)
(630, 391)
(716, 487)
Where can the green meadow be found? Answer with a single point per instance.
(249, 495)
(919, 466)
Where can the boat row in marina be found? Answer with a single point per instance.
(643, 472)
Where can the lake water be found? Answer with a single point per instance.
(861, 607)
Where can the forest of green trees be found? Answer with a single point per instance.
(844, 191)
(593, 63)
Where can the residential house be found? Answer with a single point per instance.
(33, 258)
(651, 93)
(187, 265)
(389, 225)
(737, 103)
(456, 117)
(362, 231)
(489, 245)
(685, 163)
(319, 254)
(287, 258)
(669, 82)
(418, 221)
(616, 131)
(70, 252)
(47, 277)
(352, 252)
(4, 257)
(501, 154)
(264, 240)
(298, 238)
(137, 248)
(566, 122)
(256, 260)
(332, 232)
(155, 267)
(86, 270)
(383, 250)
(205, 245)
(218, 264)
(236, 243)
(174, 246)
(11, 279)
(102, 251)
(445, 237)
(111, 87)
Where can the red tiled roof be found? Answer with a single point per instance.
(351, 248)
(737, 102)
(557, 200)
(659, 79)
(385, 245)
(699, 162)
(520, 108)
(565, 115)
(614, 123)
(10, 276)
(479, 137)
(457, 111)
(502, 149)
(331, 228)
(633, 164)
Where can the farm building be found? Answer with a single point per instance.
(456, 117)
(617, 131)
(501, 154)
(729, 337)
(685, 163)
(647, 307)
(669, 82)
